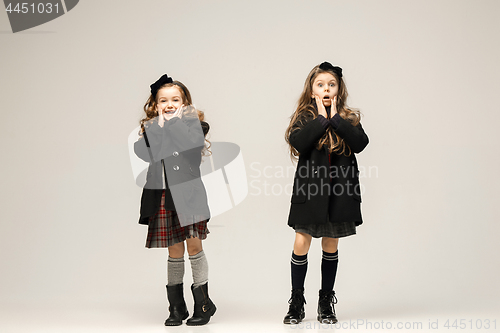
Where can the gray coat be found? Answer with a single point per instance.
(177, 146)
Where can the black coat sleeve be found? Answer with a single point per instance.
(354, 136)
(305, 133)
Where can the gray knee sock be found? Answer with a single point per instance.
(199, 267)
(175, 270)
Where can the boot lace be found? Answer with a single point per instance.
(328, 298)
(297, 299)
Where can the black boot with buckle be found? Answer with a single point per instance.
(204, 308)
(326, 310)
(296, 310)
(177, 307)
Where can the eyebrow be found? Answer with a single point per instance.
(175, 96)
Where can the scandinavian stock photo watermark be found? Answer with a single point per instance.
(25, 15)
(430, 324)
(308, 180)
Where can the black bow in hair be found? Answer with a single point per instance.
(164, 79)
(326, 66)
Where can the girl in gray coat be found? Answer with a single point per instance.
(174, 201)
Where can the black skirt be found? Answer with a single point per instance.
(332, 230)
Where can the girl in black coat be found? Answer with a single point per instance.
(324, 133)
(174, 202)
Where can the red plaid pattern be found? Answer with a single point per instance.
(164, 229)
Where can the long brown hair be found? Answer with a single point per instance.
(152, 112)
(306, 108)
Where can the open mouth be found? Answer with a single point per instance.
(326, 97)
(169, 111)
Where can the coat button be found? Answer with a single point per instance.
(176, 167)
(175, 154)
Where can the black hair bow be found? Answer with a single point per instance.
(164, 79)
(326, 66)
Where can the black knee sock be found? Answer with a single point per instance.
(299, 269)
(329, 269)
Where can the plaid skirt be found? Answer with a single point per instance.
(332, 230)
(164, 229)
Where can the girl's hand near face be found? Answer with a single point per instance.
(321, 107)
(164, 116)
(178, 112)
(333, 110)
(161, 118)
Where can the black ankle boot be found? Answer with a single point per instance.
(204, 308)
(296, 310)
(177, 308)
(326, 310)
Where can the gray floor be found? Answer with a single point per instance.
(243, 317)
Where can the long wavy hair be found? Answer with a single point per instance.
(306, 107)
(152, 112)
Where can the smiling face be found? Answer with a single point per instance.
(325, 86)
(169, 99)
